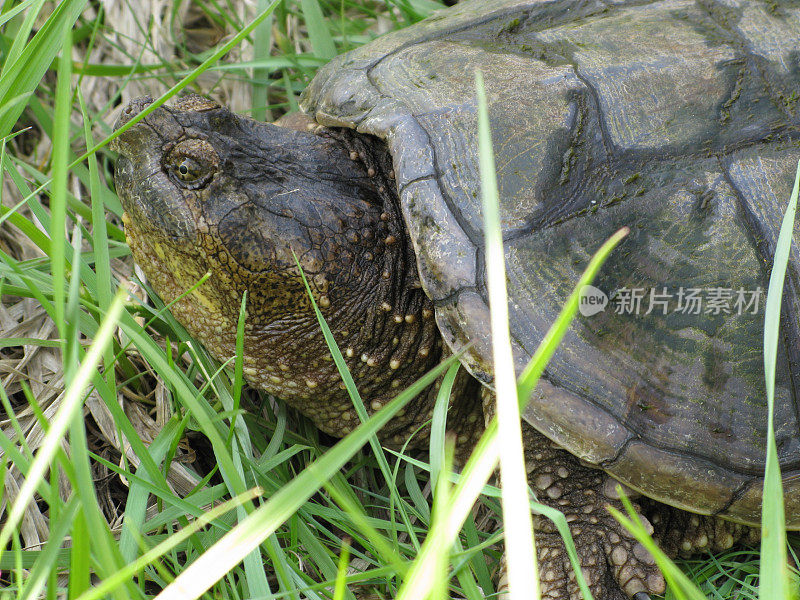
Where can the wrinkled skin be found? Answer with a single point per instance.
(205, 190)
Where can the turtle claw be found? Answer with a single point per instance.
(602, 566)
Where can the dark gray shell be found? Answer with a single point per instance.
(676, 118)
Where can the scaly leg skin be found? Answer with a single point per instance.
(614, 564)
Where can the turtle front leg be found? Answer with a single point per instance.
(614, 564)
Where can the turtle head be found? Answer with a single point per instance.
(205, 190)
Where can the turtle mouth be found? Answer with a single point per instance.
(169, 268)
(154, 204)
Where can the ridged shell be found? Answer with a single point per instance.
(676, 118)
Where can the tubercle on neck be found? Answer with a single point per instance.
(381, 319)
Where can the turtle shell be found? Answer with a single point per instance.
(678, 119)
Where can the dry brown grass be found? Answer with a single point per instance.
(147, 30)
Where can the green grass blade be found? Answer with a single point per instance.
(206, 418)
(261, 523)
(383, 547)
(99, 227)
(477, 562)
(341, 571)
(80, 574)
(519, 543)
(774, 574)
(21, 35)
(480, 466)
(10, 14)
(58, 197)
(262, 41)
(136, 502)
(441, 500)
(438, 424)
(26, 71)
(320, 37)
(679, 584)
(238, 366)
(44, 565)
(61, 420)
(482, 462)
(560, 521)
(255, 578)
(116, 580)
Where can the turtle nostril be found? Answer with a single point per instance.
(133, 108)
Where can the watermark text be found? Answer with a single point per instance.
(664, 300)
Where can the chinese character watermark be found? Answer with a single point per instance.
(664, 300)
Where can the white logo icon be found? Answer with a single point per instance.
(593, 300)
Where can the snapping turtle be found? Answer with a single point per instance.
(677, 118)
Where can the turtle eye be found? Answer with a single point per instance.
(188, 170)
(191, 163)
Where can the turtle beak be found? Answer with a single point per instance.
(129, 141)
(152, 201)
